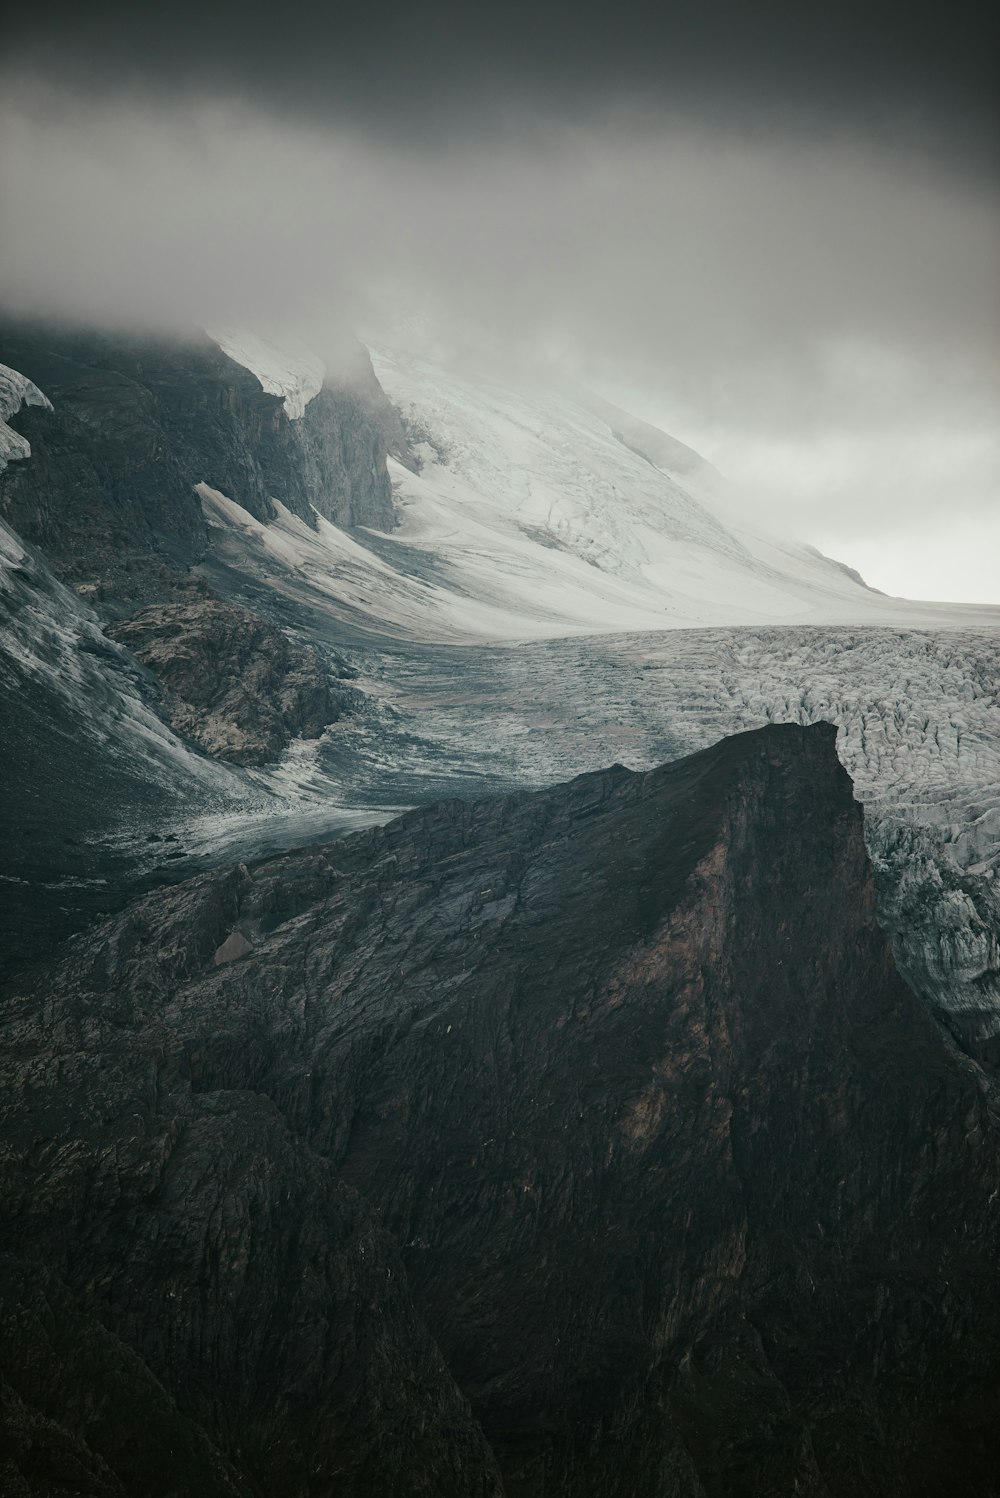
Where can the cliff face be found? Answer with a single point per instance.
(137, 422)
(345, 434)
(604, 1106)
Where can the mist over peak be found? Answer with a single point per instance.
(775, 237)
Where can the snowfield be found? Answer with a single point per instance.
(572, 517)
(534, 516)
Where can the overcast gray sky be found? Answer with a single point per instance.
(781, 245)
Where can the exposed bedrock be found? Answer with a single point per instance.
(233, 682)
(603, 1108)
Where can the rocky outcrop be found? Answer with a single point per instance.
(604, 1104)
(136, 422)
(346, 433)
(89, 768)
(232, 682)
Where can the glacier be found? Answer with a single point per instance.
(565, 588)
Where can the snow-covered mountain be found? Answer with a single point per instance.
(561, 590)
(535, 516)
(530, 514)
(208, 565)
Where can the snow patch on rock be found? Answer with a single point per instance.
(16, 390)
(288, 369)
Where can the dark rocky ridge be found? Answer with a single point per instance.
(688, 1188)
(138, 421)
(233, 683)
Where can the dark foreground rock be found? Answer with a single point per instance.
(602, 1108)
(233, 682)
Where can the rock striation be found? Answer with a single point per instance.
(232, 682)
(583, 1142)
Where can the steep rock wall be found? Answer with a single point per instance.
(136, 422)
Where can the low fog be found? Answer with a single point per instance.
(815, 308)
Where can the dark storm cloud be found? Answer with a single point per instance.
(642, 237)
(773, 229)
(903, 69)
